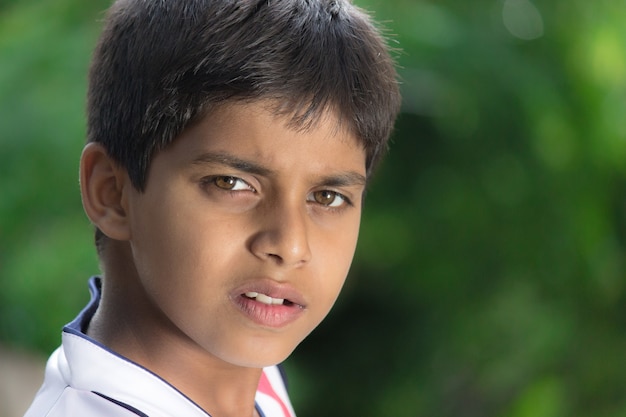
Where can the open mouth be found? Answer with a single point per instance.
(266, 299)
(268, 303)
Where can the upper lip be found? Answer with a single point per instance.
(272, 289)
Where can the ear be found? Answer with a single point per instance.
(104, 186)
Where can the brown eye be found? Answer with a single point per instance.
(324, 197)
(329, 198)
(226, 183)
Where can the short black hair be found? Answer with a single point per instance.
(161, 65)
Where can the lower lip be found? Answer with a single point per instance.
(266, 315)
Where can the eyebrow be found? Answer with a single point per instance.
(343, 179)
(232, 161)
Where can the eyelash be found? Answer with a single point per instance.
(229, 178)
(345, 200)
(212, 180)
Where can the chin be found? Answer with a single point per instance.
(259, 355)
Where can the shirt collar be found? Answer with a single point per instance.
(89, 365)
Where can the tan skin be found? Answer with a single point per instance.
(239, 203)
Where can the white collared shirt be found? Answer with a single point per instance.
(84, 378)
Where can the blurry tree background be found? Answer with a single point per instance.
(489, 279)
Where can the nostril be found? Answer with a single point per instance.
(274, 256)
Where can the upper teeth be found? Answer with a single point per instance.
(265, 299)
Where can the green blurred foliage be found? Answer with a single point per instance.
(489, 279)
(45, 239)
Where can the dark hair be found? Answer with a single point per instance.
(160, 65)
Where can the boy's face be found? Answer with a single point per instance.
(240, 212)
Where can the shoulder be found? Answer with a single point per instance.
(73, 402)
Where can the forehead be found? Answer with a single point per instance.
(264, 114)
(263, 130)
(295, 115)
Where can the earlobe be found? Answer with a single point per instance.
(103, 187)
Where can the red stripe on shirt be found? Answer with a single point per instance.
(266, 388)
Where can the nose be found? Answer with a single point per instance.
(283, 235)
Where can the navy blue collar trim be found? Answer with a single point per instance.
(121, 404)
(79, 326)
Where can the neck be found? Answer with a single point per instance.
(126, 321)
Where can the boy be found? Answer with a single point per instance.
(229, 145)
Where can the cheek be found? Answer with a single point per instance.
(342, 244)
(334, 260)
(162, 246)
